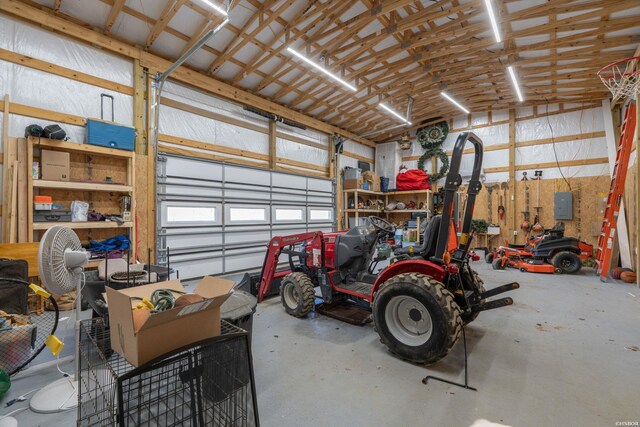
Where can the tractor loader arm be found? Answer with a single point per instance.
(275, 248)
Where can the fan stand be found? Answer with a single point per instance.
(60, 395)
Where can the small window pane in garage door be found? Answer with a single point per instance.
(320, 214)
(288, 214)
(247, 214)
(191, 214)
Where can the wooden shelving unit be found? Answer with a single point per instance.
(424, 196)
(107, 160)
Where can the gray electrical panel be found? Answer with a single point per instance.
(563, 205)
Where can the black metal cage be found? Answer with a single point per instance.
(210, 383)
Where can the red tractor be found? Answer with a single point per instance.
(420, 301)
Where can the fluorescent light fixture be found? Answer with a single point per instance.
(454, 102)
(322, 69)
(494, 23)
(214, 7)
(514, 79)
(395, 114)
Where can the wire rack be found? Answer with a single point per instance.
(209, 384)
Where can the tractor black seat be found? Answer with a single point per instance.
(429, 241)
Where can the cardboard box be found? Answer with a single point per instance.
(55, 165)
(373, 180)
(141, 337)
(351, 184)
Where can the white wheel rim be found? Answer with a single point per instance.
(290, 296)
(408, 320)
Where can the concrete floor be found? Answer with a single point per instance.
(563, 354)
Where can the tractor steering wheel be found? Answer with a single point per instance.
(382, 225)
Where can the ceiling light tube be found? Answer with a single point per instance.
(322, 69)
(454, 102)
(494, 22)
(395, 114)
(214, 7)
(514, 80)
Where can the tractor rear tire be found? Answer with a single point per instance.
(568, 262)
(297, 294)
(488, 258)
(497, 264)
(466, 317)
(416, 318)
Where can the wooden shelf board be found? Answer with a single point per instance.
(406, 211)
(399, 193)
(363, 210)
(353, 190)
(81, 225)
(81, 148)
(87, 186)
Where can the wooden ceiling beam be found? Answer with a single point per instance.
(113, 15)
(169, 11)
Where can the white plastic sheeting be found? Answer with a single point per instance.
(46, 46)
(554, 126)
(44, 90)
(303, 153)
(388, 160)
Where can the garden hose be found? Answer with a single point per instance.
(160, 300)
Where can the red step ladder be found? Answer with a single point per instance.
(610, 221)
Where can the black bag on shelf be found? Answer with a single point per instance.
(13, 295)
(54, 132)
(33, 130)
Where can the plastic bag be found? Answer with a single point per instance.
(413, 179)
(79, 211)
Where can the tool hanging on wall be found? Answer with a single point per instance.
(537, 207)
(578, 200)
(501, 210)
(524, 177)
(489, 204)
(526, 225)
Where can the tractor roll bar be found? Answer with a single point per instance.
(452, 183)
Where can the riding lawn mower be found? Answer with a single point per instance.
(551, 252)
(419, 302)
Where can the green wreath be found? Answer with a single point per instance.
(444, 161)
(432, 136)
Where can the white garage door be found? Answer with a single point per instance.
(217, 218)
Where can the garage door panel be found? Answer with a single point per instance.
(289, 181)
(193, 168)
(198, 266)
(237, 174)
(218, 218)
(179, 241)
(243, 261)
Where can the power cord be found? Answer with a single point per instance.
(553, 144)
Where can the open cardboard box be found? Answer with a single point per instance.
(140, 338)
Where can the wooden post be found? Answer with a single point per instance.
(22, 205)
(5, 163)
(512, 172)
(272, 144)
(138, 107)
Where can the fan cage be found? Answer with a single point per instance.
(208, 384)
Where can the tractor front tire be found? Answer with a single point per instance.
(416, 318)
(297, 294)
(497, 264)
(488, 258)
(566, 261)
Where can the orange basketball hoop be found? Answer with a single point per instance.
(622, 77)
